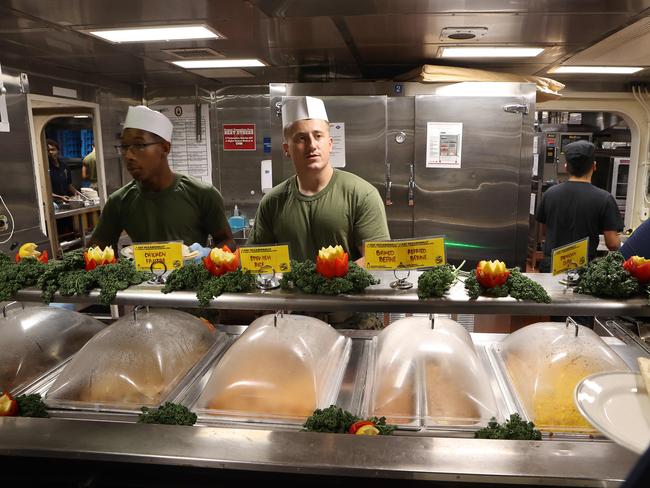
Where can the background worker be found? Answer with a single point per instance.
(89, 170)
(60, 176)
(577, 209)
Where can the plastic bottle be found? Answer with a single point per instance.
(237, 222)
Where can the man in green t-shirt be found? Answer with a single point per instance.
(159, 205)
(89, 170)
(320, 206)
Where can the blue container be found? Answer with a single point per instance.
(237, 222)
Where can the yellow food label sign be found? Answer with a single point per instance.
(169, 253)
(265, 259)
(405, 253)
(570, 256)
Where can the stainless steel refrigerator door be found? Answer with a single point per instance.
(400, 149)
(481, 207)
(18, 182)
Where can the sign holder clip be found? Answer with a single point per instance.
(401, 283)
(157, 278)
(266, 282)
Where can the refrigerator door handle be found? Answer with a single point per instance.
(411, 187)
(388, 185)
(515, 108)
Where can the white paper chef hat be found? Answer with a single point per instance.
(144, 118)
(299, 108)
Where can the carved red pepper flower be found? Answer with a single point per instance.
(8, 406)
(29, 250)
(491, 273)
(638, 267)
(332, 262)
(221, 261)
(96, 256)
(363, 427)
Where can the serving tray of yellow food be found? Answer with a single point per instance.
(542, 364)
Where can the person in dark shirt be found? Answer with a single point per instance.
(638, 244)
(576, 209)
(60, 177)
(639, 477)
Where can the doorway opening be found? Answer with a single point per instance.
(68, 168)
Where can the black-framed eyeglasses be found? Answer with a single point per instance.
(137, 147)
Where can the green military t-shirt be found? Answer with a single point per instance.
(345, 212)
(188, 210)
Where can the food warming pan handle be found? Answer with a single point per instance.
(6, 307)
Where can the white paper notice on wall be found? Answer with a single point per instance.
(337, 133)
(535, 144)
(444, 144)
(4, 116)
(266, 175)
(533, 198)
(189, 156)
(535, 164)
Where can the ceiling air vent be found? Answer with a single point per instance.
(194, 53)
(462, 33)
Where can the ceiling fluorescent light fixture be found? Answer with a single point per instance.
(613, 70)
(219, 63)
(490, 52)
(160, 33)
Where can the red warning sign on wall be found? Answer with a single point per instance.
(239, 137)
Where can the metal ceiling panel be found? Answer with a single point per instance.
(159, 78)
(223, 73)
(300, 8)
(10, 23)
(309, 57)
(124, 12)
(302, 40)
(112, 64)
(627, 47)
(312, 32)
(63, 42)
(523, 29)
(428, 53)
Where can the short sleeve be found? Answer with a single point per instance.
(638, 244)
(213, 211)
(370, 219)
(108, 229)
(262, 232)
(612, 216)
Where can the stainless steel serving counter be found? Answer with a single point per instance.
(379, 298)
(436, 459)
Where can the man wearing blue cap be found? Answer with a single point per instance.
(577, 209)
